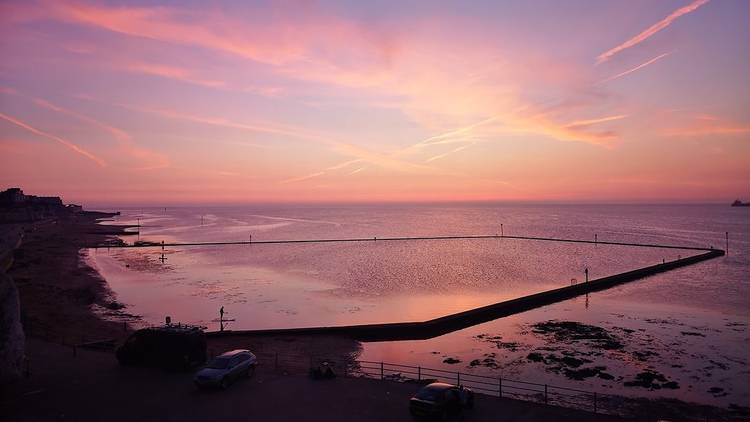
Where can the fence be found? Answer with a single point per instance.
(299, 361)
(494, 386)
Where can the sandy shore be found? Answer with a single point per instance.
(58, 291)
(64, 300)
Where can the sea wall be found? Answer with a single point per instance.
(446, 324)
(12, 341)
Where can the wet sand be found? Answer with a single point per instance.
(65, 300)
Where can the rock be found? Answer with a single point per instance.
(114, 305)
(535, 357)
(692, 333)
(451, 361)
(652, 380)
(581, 374)
(571, 331)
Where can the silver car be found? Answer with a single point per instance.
(226, 368)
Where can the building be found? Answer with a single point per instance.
(12, 197)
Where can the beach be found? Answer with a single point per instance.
(58, 292)
(78, 306)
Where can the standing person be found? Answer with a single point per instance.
(221, 314)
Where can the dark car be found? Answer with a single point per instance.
(226, 368)
(440, 400)
(168, 346)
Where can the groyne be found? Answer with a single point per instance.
(443, 325)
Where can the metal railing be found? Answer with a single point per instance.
(299, 363)
(494, 386)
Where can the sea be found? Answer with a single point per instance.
(687, 328)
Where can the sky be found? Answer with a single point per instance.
(192, 102)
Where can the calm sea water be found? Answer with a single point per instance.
(291, 285)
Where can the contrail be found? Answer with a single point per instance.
(640, 66)
(651, 31)
(68, 144)
(595, 121)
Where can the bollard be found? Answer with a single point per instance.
(500, 387)
(586, 271)
(727, 235)
(382, 373)
(545, 393)
(594, 402)
(419, 373)
(458, 378)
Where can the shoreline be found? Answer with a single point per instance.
(65, 300)
(57, 287)
(59, 308)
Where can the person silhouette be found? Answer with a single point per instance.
(221, 314)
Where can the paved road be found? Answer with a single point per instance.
(92, 387)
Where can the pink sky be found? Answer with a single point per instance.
(237, 102)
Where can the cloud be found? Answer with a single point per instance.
(586, 123)
(445, 154)
(703, 125)
(355, 171)
(652, 30)
(321, 173)
(277, 39)
(152, 160)
(172, 72)
(117, 133)
(222, 122)
(55, 138)
(640, 66)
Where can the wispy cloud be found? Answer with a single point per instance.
(586, 123)
(117, 133)
(322, 172)
(265, 41)
(173, 72)
(445, 154)
(653, 29)
(629, 71)
(150, 160)
(226, 123)
(703, 125)
(55, 138)
(355, 171)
